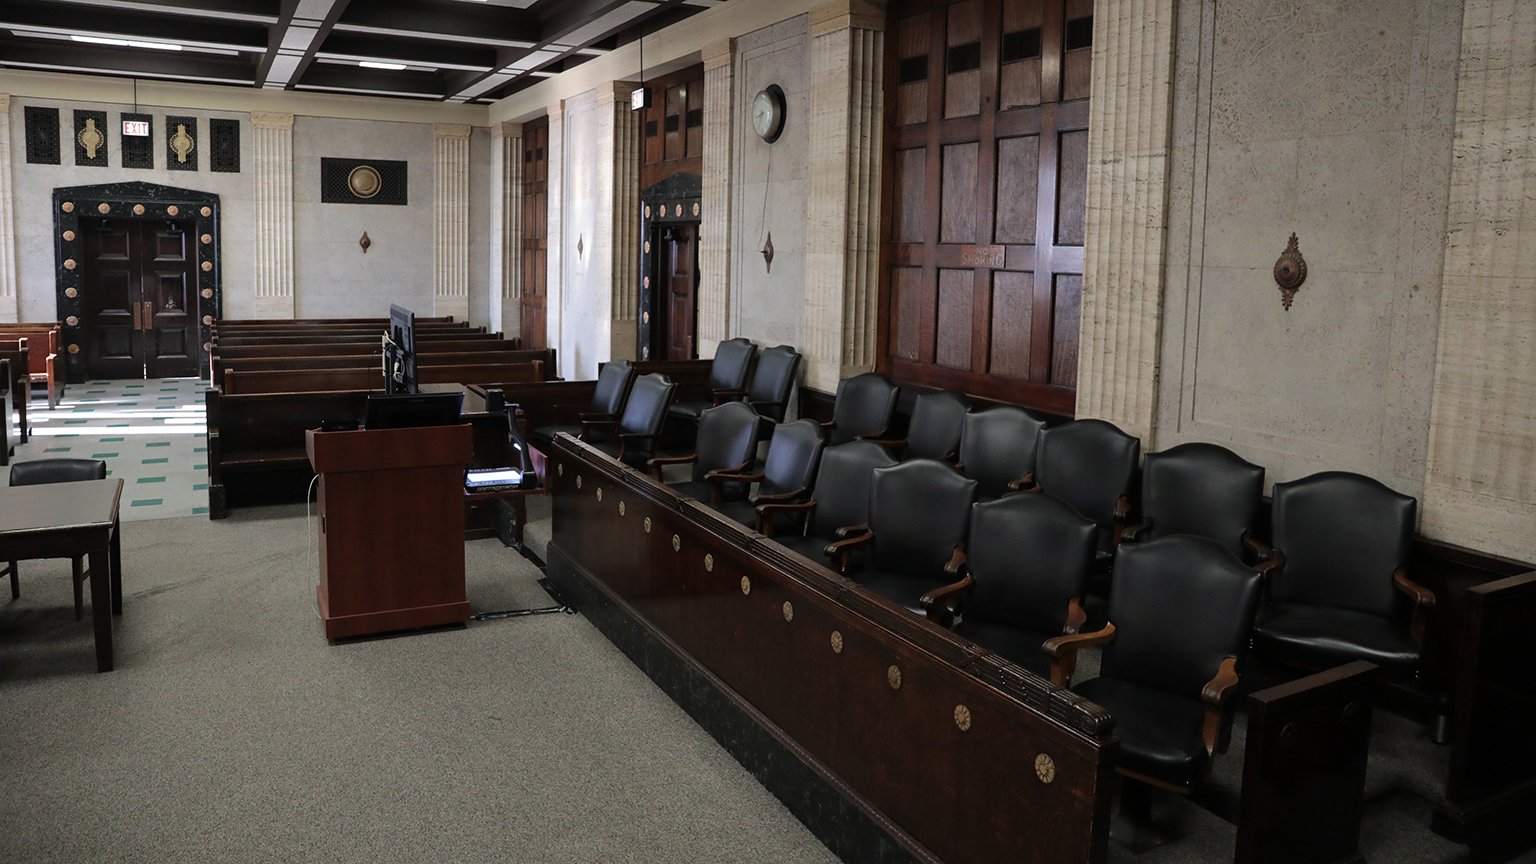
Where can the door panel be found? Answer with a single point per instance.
(170, 332)
(680, 254)
(139, 299)
(532, 303)
(112, 312)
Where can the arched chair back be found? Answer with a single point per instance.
(863, 407)
(1029, 556)
(1201, 489)
(644, 412)
(1089, 464)
(997, 447)
(934, 430)
(793, 454)
(726, 442)
(918, 513)
(727, 378)
(772, 380)
(612, 386)
(842, 485)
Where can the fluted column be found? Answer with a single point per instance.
(554, 198)
(619, 127)
(450, 221)
(10, 298)
(843, 212)
(1127, 213)
(1480, 485)
(272, 176)
(715, 219)
(506, 226)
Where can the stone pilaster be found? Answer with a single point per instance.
(621, 178)
(1480, 485)
(1127, 213)
(714, 298)
(272, 179)
(506, 226)
(554, 198)
(843, 211)
(10, 298)
(450, 221)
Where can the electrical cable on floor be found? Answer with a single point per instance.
(561, 605)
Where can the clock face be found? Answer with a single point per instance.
(768, 113)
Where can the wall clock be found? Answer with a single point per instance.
(768, 113)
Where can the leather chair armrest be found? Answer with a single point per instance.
(840, 550)
(955, 562)
(729, 395)
(781, 497)
(594, 417)
(876, 436)
(656, 463)
(1026, 484)
(1256, 546)
(851, 530)
(1215, 694)
(1132, 533)
(1122, 513)
(896, 445)
(1063, 651)
(724, 476)
(593, 423)
(1423, 602)
(717, 480)
(941, 604)
(765, 513)
(766, 403)
(1077, 616)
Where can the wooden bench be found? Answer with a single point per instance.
(355, 338)
(8, 431)
(18, 383)
(324, 322)
(370, 378)
(366, 359)
(43, 356)
(256, 443)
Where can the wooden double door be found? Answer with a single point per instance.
(140, 299)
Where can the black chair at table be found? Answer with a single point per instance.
(914, 541)
(727, 378)
(1026, 571)
(1179, 619)
(613, 382)
(788, 471)
(726, 445)
(1340, 590)
(40, 471)
(997, 448)
(631, 438)
(839, 499)
(1201, 489)
(862, 408)
(1089, 464)
(934, 429)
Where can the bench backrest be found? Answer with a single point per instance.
(238, 381)
(277, 420)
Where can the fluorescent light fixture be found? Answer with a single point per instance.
(370, 64)
(100, 40)
(159, 46)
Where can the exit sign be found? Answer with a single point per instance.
(136, 128)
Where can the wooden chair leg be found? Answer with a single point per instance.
(78, 577)
(15, 582)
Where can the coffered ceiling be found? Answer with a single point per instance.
(441, 50)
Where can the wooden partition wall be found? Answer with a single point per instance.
(892, 739)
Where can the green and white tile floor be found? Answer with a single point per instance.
(153, 434)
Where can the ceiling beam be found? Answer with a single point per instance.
(254, 11)
(93, 59)
(445, 21)
(17, 15)
(300, 31)
(442, 55)
(358, 80)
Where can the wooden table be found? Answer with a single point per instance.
(65, 520)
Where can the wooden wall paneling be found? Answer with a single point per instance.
(962, 60)
(1066, 310)
(672, 123)
(907, 289)
(1071, 198)
(1018, 167)
(911, 181)
(954, 318)
(535, 245)
(672, 126)
(1077, 50)
(1020, 53)
(693, 120)
(957, 212)
(913, 69)
(1012, 312)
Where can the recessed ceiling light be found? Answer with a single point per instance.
(369, 64)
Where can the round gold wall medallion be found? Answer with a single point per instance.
(206, 211)
(1045, 769)
(74, 349)
(69, 235)
(138, 209)
(72, 321)
(695, 208)
(709, 563)
(69, 263)
(599, 493)
(647, 211)
(173, 210)
(578, 481)
(206, 239)
(67, 206)
(893, 677)
(621, 508)
(647, 247)
(837, 642)
(364, 181)
(207, 266)
(789, 611)
(208, 319)
(71, 293)
(103, 208)
(677, 543)
(746, 585)
(207, 293)
(678, 210)
(646, 524)
(560, 469)
(963, 718)
(207, 346)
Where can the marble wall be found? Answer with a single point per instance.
(1334, 121)
(584, 295)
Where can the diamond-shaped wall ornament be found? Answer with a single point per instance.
(768, 252)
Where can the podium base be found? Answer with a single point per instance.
(390, 620)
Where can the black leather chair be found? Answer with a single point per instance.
(1179, 619)
(1026, 571)
(839, 499)
(613, 382)
(915, 538)
(933, 432)
(726, 444)
(772, 380)
(632, 437)
(788, 471)
(862, 409)
(39, 471)
(1340, 590)
(727, 378)
(997, 448)
(1198, 489)
(1089, 464)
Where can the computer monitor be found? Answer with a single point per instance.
(400, 351)
(403, 410)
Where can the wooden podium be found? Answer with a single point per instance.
(391, 527)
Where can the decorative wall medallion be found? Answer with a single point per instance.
(893, 677)
(768, 252)
(646, 524)
(72, 321)
(646, 316)
(74, 348)
(581, 244)
(173, 210)
(138, 209)
(677, 543)
(560, 469)
(678, 211)
(364, 181)
(646, 281)
(647, 247)
(621, 508)
(208, 319)
(103, 208)
(181, 143)
(647, 211)
(837, 642)
(69, 235)
(206, 211)
(709, 563)
(91, 138)
(206, 239)
(1290, 272)
(207, 293)
(69, 264)
(207, 346)
(695, 208)
(71, 292)
(364, 242)
(599, 493)
(207, 266)
(67, 206)
(746, 585)
(1045, 769)
(963, 718)
(789, 611)
(578, 481)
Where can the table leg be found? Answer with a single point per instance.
(117, 568)
(520, 507)
(101, 602)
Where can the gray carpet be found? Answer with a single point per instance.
(231, 730)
